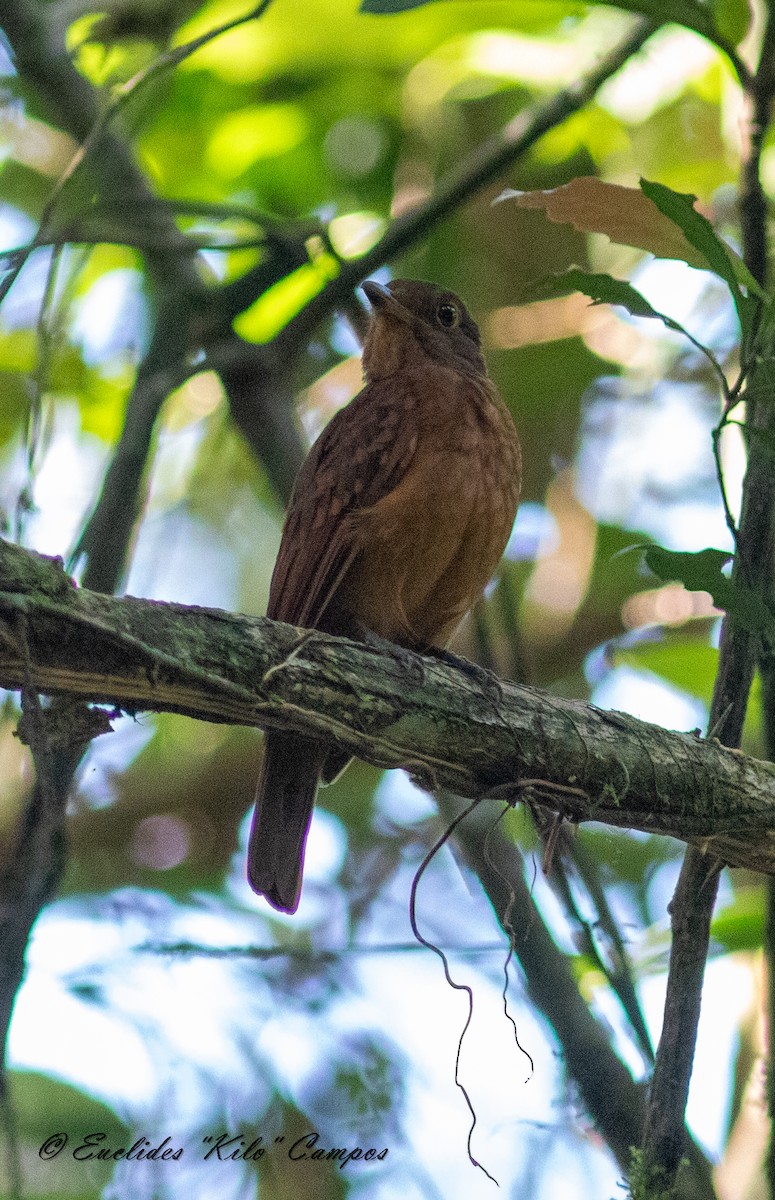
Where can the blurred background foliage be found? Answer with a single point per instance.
(288, 146)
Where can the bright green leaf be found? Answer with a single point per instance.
(18, 350)
(257, 132)
(277, 306)
(690, 13)
(740, 925)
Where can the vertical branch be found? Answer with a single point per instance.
(26, 881)
(31, 873)
(754, 221)
(768, 701)
(691, 909)
(753, 202)
(107, 537)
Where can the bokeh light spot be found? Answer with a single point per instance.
(160, 843)
(354, 146)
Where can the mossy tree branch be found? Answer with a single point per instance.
(453, 728)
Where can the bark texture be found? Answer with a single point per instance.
(451, 726)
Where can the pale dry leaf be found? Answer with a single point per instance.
(623, 214)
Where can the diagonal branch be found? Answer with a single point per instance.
(483, 166)
(262, 370)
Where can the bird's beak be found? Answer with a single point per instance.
(382, 300)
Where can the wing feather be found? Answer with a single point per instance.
(360, 457)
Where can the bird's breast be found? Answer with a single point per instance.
(429, 547)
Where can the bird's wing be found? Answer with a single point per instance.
(361, 456)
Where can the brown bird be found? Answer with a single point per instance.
(398, 518)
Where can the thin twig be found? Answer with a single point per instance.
(37, 386)
(458, 987)
(716, 441)
(508, 928)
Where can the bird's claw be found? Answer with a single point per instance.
(487, 680)
(411, 661)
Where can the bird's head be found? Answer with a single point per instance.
(411, 321)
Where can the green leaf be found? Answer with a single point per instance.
(275, 307)
(683, 661)
(679, 208)
(43, 1104)
(732, 19)
(740, 925)
(699, 571)
(721, 259)
(604, 289)
(702, 572)
(601, 289)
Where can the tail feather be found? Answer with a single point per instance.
(285, 796)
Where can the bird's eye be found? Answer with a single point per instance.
(448, 316)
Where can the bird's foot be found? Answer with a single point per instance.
(410, 659)
(488, 681)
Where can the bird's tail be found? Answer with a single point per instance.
(287, 787)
